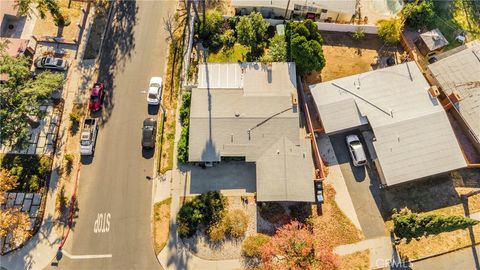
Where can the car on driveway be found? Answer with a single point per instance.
(48, 62)
(149, 132)
(154, 91)
(96, 97)
(356, 150)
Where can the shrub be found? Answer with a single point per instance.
(30, 170)
(217, 232)
(300, 211)
(410, 225)
(272, 212)
(182, 152)
(389, 30)
(74, 118)
(69, 158)
(252, 245)
(207, 209)
(185, 108)
(228, 38)
(359, 33)
(237, 223)
(278, 49)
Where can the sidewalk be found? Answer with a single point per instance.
(381, 251)
(43, 246)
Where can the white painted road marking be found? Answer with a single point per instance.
(102, 223)
(80, 257)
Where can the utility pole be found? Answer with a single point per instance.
(286, 11)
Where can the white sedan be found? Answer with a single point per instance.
(154, 93)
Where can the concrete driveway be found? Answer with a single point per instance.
(362, 184)
(232, 178)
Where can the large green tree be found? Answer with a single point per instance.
(305, 46)
(251, 32)
(419, 13)
(21, 97)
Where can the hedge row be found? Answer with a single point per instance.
(185, 120)
(410, 225)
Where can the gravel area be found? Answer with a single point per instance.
(229, 248)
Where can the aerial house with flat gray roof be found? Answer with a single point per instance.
(412, 136)
(249, 111)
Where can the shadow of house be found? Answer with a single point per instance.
(246, 111)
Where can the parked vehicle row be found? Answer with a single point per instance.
(97, 95)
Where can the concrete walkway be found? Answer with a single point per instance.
(42, 248)
(335, 177)
(381, 251)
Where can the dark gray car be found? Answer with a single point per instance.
(149, 132)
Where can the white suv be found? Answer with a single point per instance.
(154, 91)
(355, 148)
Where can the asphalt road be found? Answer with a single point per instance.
(113, 229)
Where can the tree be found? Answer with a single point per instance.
(389, 30)
(251, 32)
(305, 46)
(278, 49)
(15, 222)
(251, 247)
(308, 55)
(26, 8)
(21, 97)
(419, 13)
(12, 220)
(211, 28)
(7, 183)
(295, 247)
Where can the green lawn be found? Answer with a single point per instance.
(237, 53)
(454, 16)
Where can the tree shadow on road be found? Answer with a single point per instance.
(117, 47)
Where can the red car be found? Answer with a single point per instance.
(96, 97)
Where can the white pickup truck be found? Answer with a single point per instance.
(88, 136)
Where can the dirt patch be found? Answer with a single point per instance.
(345, 55)
(96, 33)
(332, 225)
(66, 172)
(72, 13)
(418, 196)
(161, 227)
(359, 261)
(440, 243)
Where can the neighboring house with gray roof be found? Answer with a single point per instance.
(250, 110)
(413, 137)
(431, 41)
(457, 75)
